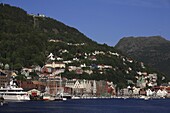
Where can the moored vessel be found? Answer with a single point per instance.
(13, 93)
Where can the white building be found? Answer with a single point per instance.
(55, 65)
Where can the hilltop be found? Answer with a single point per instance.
(153, 51)
(26, 40)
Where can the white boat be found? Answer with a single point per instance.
(48, 97)
(67, 95)
(14, 93)
(76, 97)
(144, 97)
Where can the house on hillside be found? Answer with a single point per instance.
(114, 54)
(50, 67)
(79, 71)
(102, 66)
(63, 51)
(152, 79)
(67, 62)
(72, 68)
(27, 71)
(59, 58)
(37, 68)
(141, 82)
(88, 71)
(93, 58)
(99, 52)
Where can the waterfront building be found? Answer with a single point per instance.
(32, 84)
(34, 92)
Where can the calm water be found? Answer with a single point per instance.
(89, 106)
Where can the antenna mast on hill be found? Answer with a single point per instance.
(35, 22)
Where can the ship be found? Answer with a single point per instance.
(14, 93)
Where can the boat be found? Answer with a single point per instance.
(14, 93)
(144, 97)
(48, 97)
(59, 98)
(76, 97)
(67, 95)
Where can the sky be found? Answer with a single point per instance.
(105, 21)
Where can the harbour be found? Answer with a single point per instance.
(105, 105)
(47, 66)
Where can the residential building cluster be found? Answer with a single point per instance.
(49, 76)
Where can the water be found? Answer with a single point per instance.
(89, 106)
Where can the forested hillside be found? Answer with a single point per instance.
(24, 37)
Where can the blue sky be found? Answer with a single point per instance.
(105, 21)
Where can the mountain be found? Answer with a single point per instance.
(154, 51)
(27, 39)
(24, 37)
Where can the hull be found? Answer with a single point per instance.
(67, 96)
(47, 97)
(14, 93)
(16, 97)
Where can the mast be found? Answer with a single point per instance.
(56, 87)
(58, 90)
(61, 91)
(94, 87)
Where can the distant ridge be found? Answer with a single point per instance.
(154, 51)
